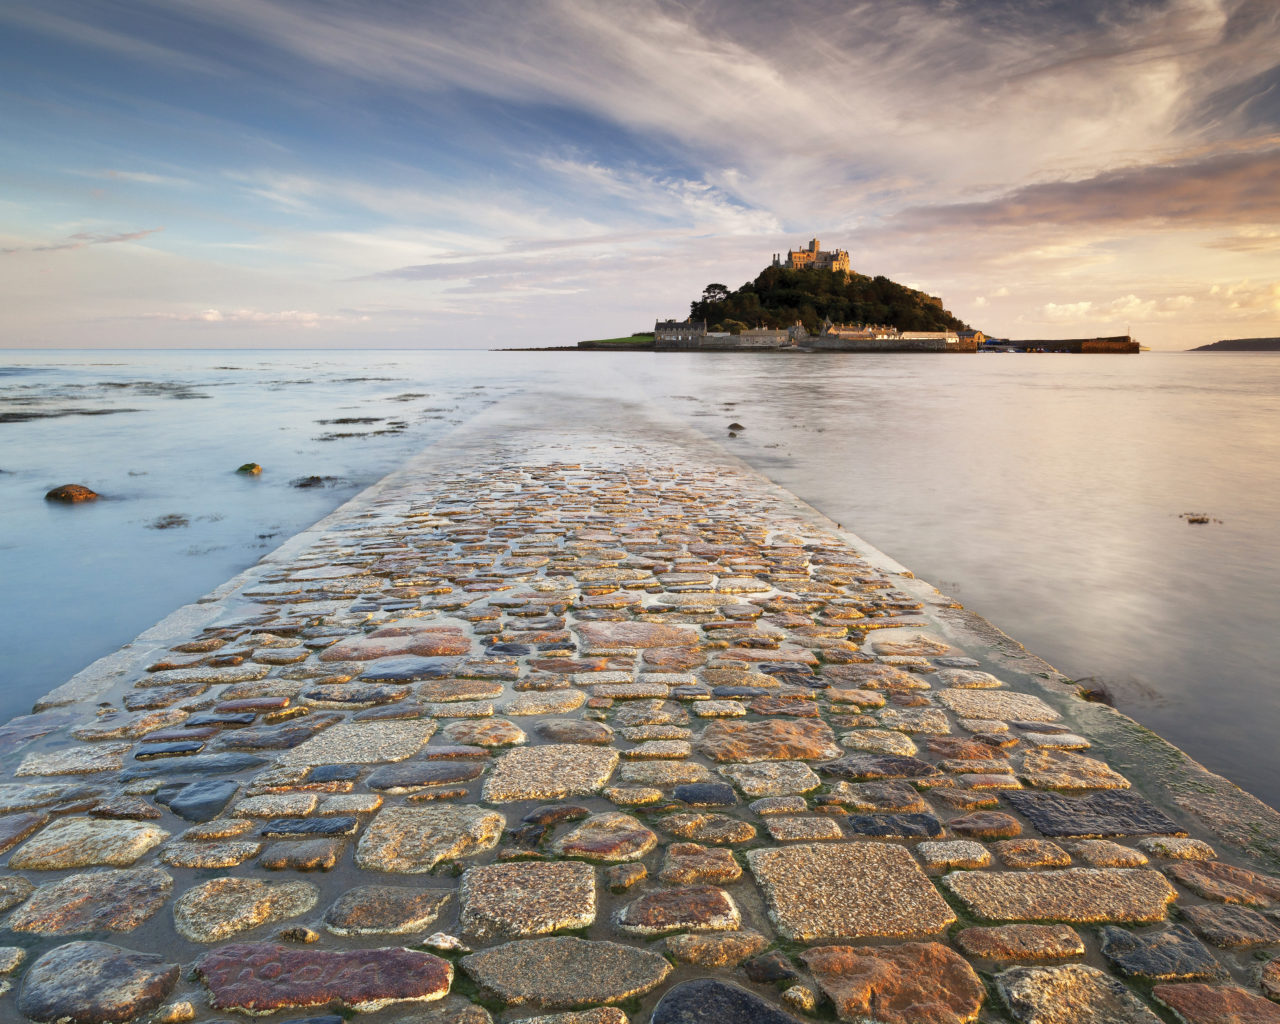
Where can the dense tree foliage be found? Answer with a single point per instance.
(779, 297)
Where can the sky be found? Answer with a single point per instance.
(406, 173)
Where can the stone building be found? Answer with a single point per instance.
(814, 258)
(878, 338)
(679, 333)
(693, 334)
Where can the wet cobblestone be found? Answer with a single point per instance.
(549, 720)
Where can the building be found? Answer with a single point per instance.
(679, 333)
(814, 258)
(693, 334)
(858, 332)
(878, 338)
(935, 341)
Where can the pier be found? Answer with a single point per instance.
(595, 725)
(1120, 344)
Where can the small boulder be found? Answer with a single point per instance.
(250, 469)
(70, 494)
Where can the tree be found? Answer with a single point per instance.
(778, 297)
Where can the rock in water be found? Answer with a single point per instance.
(250, 469)
(69, 494)
(95, 983)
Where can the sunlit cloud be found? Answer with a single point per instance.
(1246, 297)
(1232, 188)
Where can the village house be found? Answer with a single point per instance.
(693, 334)
(684, 333)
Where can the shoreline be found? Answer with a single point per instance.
(409, 553)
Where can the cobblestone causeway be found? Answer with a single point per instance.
(521, 737)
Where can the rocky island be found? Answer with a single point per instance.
(815, 302)
(592, 724)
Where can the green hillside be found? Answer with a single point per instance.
(779, 297)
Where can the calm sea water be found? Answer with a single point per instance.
(1045, 492)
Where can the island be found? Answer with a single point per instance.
(814, 301)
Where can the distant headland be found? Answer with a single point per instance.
(1240, 345)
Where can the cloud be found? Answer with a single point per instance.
(698, 205)
(1130, 308)
(1248, 239)
(81, 240)
(1248, 298)
(136, 177)
(1230, 188)
(284, 317)
(1068, 311)
(774, 103)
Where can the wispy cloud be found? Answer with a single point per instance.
(1230, 188)
(1249, 239)
(139, 178)
(81, 240)
(258, 317)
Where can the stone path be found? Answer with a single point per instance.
(594, 742)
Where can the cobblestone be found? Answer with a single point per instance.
(679, 647)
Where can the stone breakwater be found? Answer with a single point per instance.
(603, 741)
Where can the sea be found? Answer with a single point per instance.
(1116, 514)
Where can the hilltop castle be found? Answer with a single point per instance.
(814, 258)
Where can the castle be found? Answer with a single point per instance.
(814, 258)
